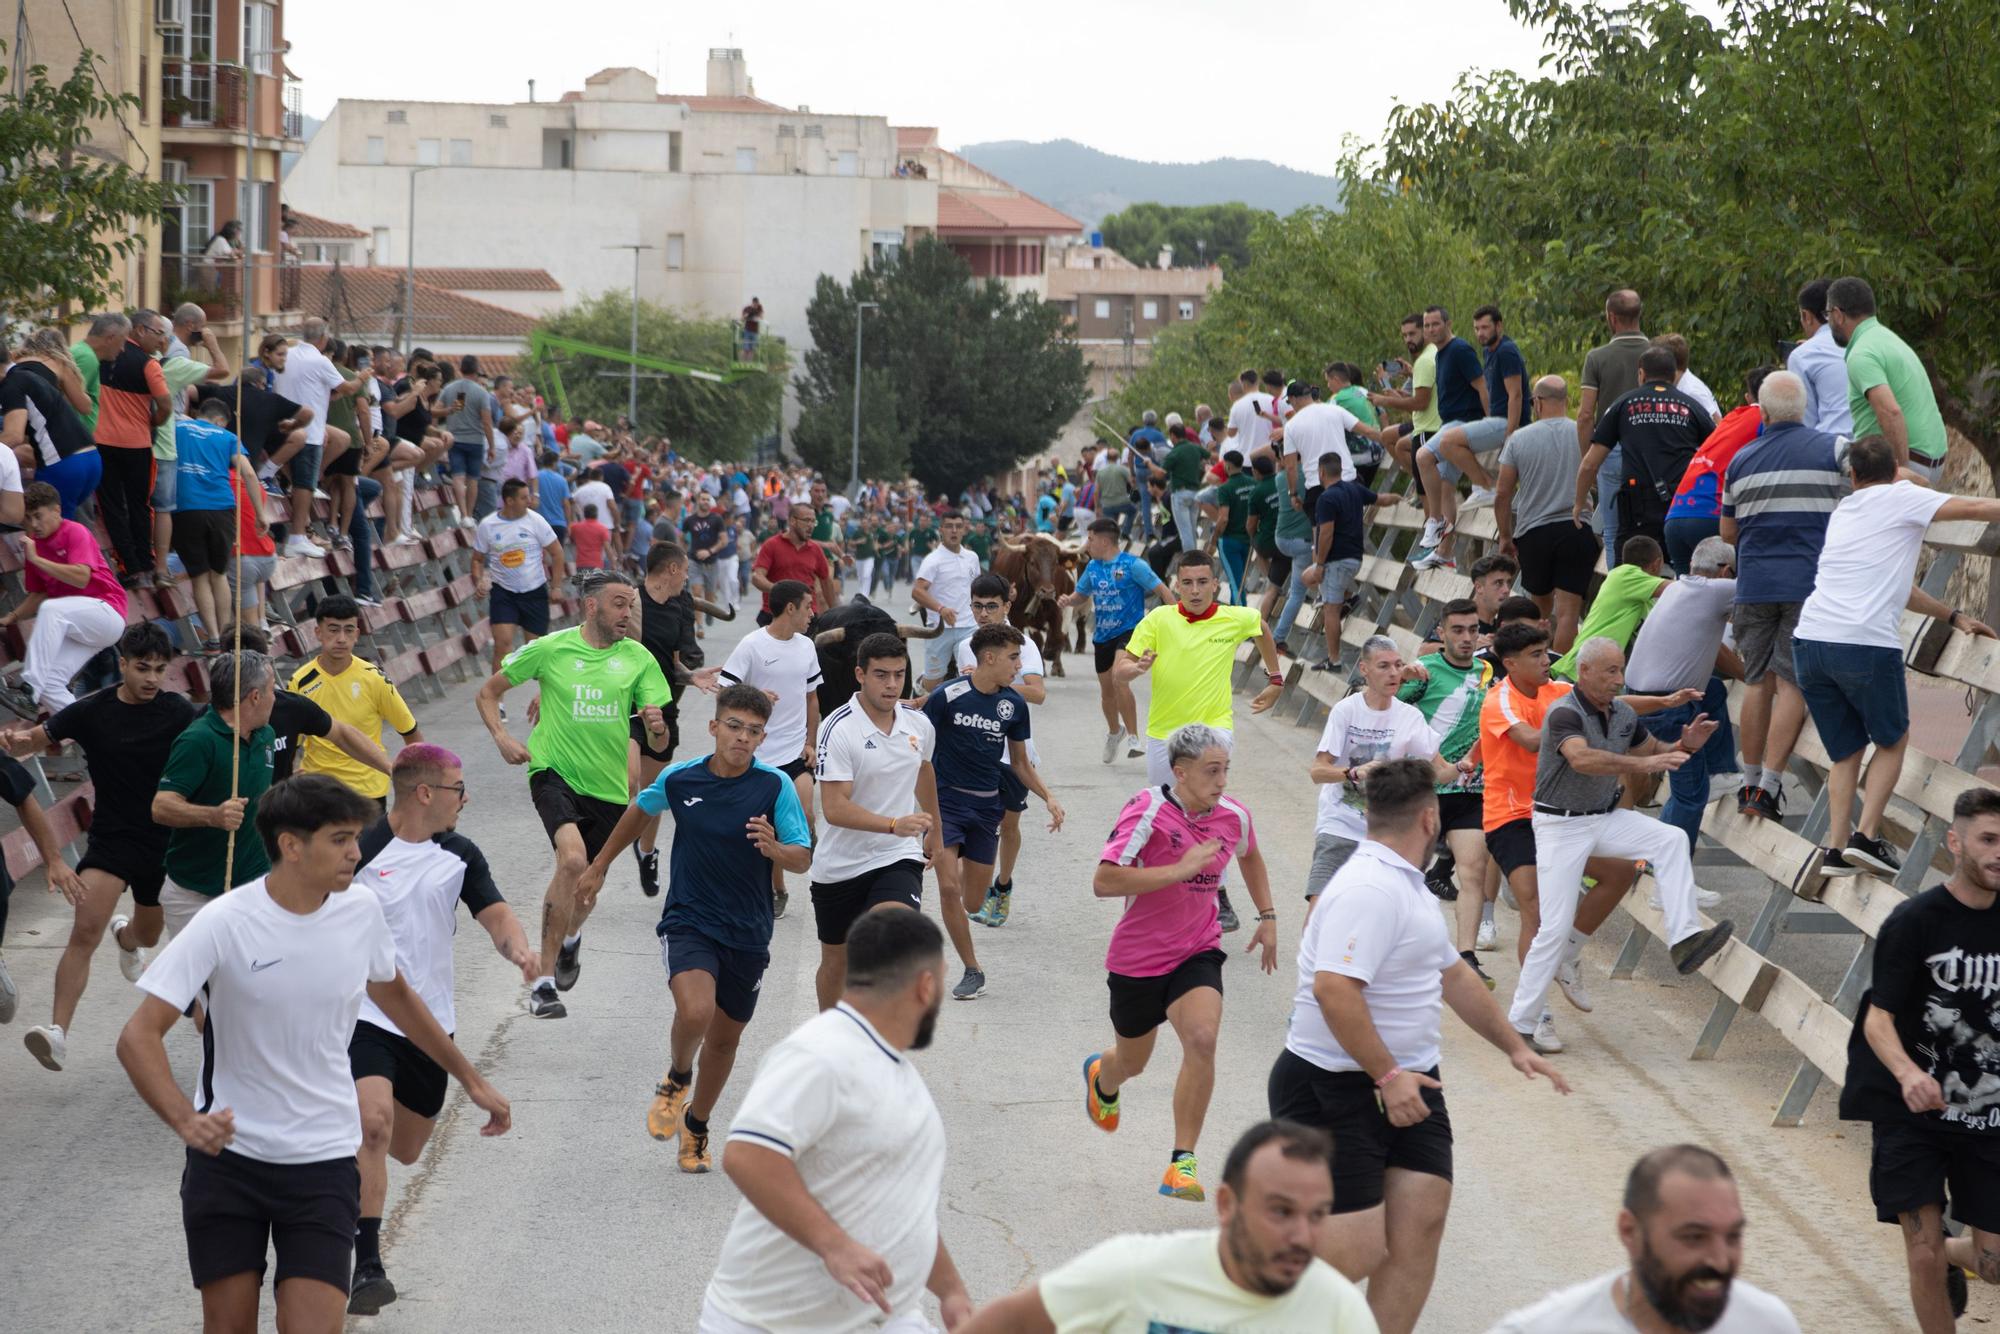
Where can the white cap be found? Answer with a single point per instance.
(1173, 419)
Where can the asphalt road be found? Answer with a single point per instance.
(577, 1220)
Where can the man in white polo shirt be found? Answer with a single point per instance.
(879, 796)
(839, 1152)
(943, 587)
(281, 964)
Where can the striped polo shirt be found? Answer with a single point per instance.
(1781, 489)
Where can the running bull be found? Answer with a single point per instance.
(1039, 569)
(836, 631)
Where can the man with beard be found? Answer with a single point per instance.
(839, 1152)
(1256, 1274)
(1682, 1224)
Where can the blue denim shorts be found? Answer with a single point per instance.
(1336, 577)
(166, 484)
(1855, 693)
(467, 459)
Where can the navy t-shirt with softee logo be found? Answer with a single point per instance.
(973, 733)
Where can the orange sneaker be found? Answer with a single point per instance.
(663, 1118)
(1103, 1115)
(1180, 1181)
(694, 1149)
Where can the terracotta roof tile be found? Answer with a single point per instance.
(490, 280)
(364, 301)
(969, 211)
(307, 227)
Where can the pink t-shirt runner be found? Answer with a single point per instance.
(72, 544)
(1164, 929)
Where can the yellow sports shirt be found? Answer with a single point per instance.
(360, 696)
(1191, 673)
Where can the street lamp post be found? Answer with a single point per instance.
(632, 379)
(410, 268)
(854, 468)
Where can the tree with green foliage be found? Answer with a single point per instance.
(705, 420)
(971, 380)
(67, 215)
(1716, 165)
(1218, 232)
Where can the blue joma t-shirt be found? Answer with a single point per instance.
(1117, 590)
(1342, 505)
(1457, 370)
(718, 883)
(973, 733)
(207, 454)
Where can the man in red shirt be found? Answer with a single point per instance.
(793, 554)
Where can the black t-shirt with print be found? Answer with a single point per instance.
(1659, 429)
(1937, 970)
(125, 747)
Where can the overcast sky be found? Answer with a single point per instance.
(1160, 80)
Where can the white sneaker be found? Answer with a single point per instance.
(130, 962)
(1429, 559)
(1703, 898)
(1488, 936)
(1433, 533)
(45, 1043)
(1111, 744)
(1725, 785)
(10, 995)
(1569, 976)
(1481, 497)
(1544, 1039)
(300, 545)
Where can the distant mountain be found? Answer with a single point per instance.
(1087, 184)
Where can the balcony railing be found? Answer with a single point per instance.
(214, 285)
(201, 94)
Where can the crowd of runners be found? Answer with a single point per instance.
(306, 883)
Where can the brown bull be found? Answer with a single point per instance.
(1039, 572)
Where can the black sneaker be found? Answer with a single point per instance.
(1955, 1290)
(1873, 854)
(1441, 885)
(1472, 962)
(1762, 802)
(545, 1003)
(649, 871)
(1697, 950)
(371, 1290)
(19, 701)
(1225, 914)
(569, 964)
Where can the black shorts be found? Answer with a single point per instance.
(1914, 1162)
(1013, 792)
(529, 610)
(233, 1208)
(792, 769)
(558, 804)
(1107, 651)
(837, 904)
(1461, 810)
(738, 974)
(1557, 556)
(645, 738)
(141, 867)
(1277, 566)
(1512, 845)
(203, 539)
(347, 463)
(419, 1082)
(1345, 1104)
(1139, 1004)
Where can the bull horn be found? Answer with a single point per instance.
(828, 638)
(920, 631)
(1013, 545)
(719, 613)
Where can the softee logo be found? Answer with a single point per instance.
(980, 721)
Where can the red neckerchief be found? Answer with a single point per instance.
(1195, 619)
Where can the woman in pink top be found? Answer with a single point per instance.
(78, 608)
(1166, 858)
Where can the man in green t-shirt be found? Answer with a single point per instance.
(1263, 524)
(218, 770)
(1183, 464)
(1622, 601)
(593, 681)
(1232, 523)
(1888, 390)
(106, 339)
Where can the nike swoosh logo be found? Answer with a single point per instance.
(256, 967)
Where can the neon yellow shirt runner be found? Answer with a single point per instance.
(1191, 674)
(588, 698)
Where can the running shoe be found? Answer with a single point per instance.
(781, 899)
(1472, 962)
(131, 963)
(1872, 854)
(986, 908)
(1764, 803)
(971, 986)
(46, 1044)
(10, 995)
(663, 1118)
(1225, 913)
(649, 871)
(1481, 497)
(545, 1003)
(1488, 937)
(1544, 1039)
(694, 1149)
(999, 901)
(1103, 1115)
(1433, 533)
(1431, 560)
(300, 545)
(1135, 749)
(16, 700)
(1111, 744)
(1725, 785)
(1569, 976)
(1443, 886)
(1698, 949)
(1180, 1182)
(367, 600)
(569, 964)
(372, 1289)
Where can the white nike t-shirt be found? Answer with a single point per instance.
(788, 668)
(284, 989)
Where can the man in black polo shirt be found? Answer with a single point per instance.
(1657, 429)
(1590, 740)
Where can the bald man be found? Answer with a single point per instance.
(1533, 507)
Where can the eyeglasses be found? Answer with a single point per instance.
(752, 730)
(989, 606)
(448, 787)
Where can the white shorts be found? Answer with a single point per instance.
(1158, 770)
(178, 906)
(713, 1321)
